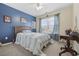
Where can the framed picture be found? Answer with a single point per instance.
(23, 20)
(7, 19)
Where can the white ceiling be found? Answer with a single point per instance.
(30, 8)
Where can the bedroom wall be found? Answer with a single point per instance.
(76, 16)
(66, 18)
(7, 29)
(76, 24)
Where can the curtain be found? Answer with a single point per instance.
(56, 28)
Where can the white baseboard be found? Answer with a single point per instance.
(5, 44)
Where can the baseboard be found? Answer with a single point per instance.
(5, 44)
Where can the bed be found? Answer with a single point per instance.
(31, 41)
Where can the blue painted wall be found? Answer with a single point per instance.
(7, 29)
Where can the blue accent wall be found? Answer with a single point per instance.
(7, 29)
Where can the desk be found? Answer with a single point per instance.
(67, 48)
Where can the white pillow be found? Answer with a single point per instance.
(26, 31)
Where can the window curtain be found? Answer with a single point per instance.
(56, 28)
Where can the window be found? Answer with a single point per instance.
(47, 25)
(51, 26)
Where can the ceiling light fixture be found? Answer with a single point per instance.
(39, 6)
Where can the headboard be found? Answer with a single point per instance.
(20, 28)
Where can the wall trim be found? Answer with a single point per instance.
(5, 44)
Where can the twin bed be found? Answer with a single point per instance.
(31, 41)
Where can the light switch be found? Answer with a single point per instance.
(6, 38)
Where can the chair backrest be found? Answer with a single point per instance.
(75, 36)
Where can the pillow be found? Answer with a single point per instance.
(26, 31)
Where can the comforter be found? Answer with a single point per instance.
(33, 41)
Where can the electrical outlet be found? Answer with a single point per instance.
(6, 37)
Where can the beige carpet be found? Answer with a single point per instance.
(54, 49)
(16, 50)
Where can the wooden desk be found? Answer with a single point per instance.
(67, 48)
(67, 38)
